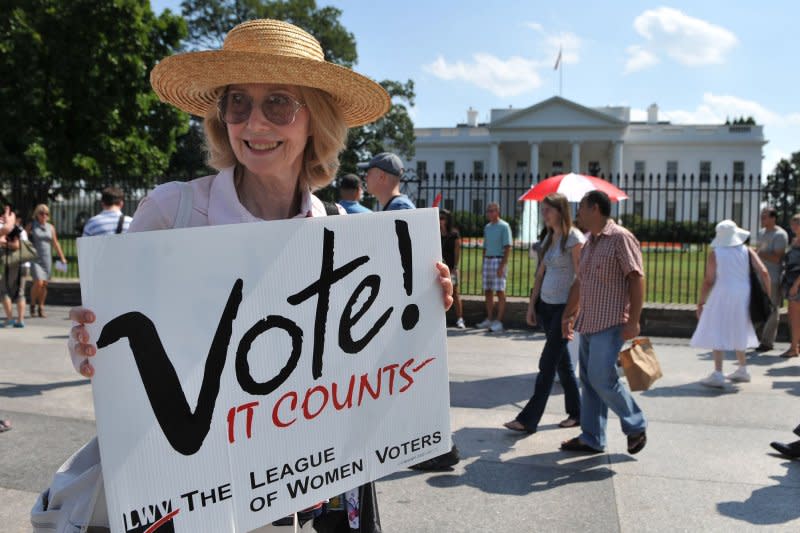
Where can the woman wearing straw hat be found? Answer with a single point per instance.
(723, 310)
(275, 117)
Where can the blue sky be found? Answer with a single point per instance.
(700, 61)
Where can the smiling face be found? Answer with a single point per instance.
(264, 148)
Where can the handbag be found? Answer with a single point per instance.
(640, 364)
(15, 258)
(761, 306)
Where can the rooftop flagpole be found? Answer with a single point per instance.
(560, 70)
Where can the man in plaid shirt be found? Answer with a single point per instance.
(610, 289)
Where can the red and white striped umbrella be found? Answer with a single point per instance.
(573, 186)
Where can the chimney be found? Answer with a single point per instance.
(652, 114)
(472, 118)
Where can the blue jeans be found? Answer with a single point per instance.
(603, 389)
(555, 357)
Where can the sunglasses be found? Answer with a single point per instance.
(279, 108)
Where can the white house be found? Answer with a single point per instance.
(558, 135)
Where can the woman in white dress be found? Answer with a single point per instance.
(723, 311)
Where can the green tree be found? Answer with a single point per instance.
(77, 103)
(782, 189)
(210, 20)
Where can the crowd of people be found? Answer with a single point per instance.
(274, 129)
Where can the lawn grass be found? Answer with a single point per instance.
(672, 275)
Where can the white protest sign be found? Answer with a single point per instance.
(248, 371)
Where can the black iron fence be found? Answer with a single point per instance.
(672, 216)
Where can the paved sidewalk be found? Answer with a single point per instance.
(707, 467)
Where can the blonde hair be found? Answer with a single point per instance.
(41, 208)
(327, 134)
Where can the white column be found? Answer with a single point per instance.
(534, 166)
(494, 158)
(616, 160)
(576, 158)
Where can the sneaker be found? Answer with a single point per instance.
(496, 327)
(8, 322)
(740, 376)
(715, 379)
(442, 462)
(483, 325)
(460, 323)
(18, 324)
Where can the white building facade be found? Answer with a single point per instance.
(558, 136)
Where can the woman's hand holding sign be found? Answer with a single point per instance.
(79, 344)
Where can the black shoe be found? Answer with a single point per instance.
(442, 462)
(797, 431)
(791, 450)
(636, 442)
(764, 348)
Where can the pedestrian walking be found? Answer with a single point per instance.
(771, 247)
(609, 291)
(561, 252)
(723, 309)
(44, 238)
(790, 286)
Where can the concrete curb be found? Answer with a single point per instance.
(658, 320)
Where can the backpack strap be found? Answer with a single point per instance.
(120, 223)
(185, 205)
(330, 209)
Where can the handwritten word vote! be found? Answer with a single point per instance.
(186, 430)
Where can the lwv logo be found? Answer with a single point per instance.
(150, 519)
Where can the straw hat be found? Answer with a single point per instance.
(729, 234)
(266, 51)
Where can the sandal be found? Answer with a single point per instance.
(789, 353)
(577, 445)
(569, 422)
(516, 425)
(5, 425)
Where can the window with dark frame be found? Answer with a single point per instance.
(477, 170)
(449, 169)
(737, 213)
(705, 171)
(422, 169)
(738, 171)
(702, 212)
(670, 211)
(638, 208)
(477, 206)
(638, 170)
(672, 171)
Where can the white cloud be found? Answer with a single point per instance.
(514, 75)
(508, 77)
(689, 41)
(639, 59)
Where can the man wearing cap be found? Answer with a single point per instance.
(383, 181)
(350, 193)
